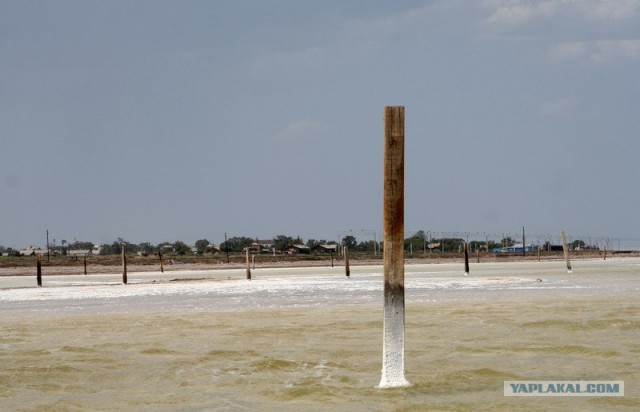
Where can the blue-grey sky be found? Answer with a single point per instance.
(164, 120)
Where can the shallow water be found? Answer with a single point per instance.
(311, 340)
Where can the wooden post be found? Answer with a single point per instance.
(605, 253)
(478, 255)
(161, 265)
(565, 249)
(226, 246)
(345, 251)
(538, 253)
(393, 255)
(39, 271)
(524, 244)
(85, 264)
(124, 265)
(331, 253)
(466, 259)
(248, 265)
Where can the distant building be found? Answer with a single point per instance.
(325, 248)
(295, 249)
(517, 248)
(263, 246)
(31, 251)
(80, 252)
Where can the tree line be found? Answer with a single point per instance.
(417, 242)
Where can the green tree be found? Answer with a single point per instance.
(79, 245)
(577, 244)
(146, 248)
(236, 244)
(313, 243)
(350, 242)
(181, 248)
(507, 241)
(201, 246)
(417, 242)
(282, 241)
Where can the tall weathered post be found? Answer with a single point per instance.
(124, 265)
(565, 249)
(605, 253)
(161, 265)
(331, 253)
(85, 264)
(347, 271)
(466, 259)
(393, 255)
(39, 271)
(248, 264)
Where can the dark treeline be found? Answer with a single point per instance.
(417, 242)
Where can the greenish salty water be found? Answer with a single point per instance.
(310, 339)
(321, 358)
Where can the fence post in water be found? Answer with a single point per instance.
(393, 255)
(345, 251)
(466, 259)
(248, 265)
(124, 265)
(565, 249)
(39, 271)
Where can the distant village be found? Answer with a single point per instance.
(419, 242)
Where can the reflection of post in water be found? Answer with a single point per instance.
(565, 249)
(393, 256)
(39, 271)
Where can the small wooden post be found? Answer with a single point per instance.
(538, 253)
(478, 255)
(331, 253)
(605, 253)
(393, 255)
(124, 265)
(248, 265)
(524, 244)
(39, 270)
(565, 249)
(161, 265)
(466, 259)
(85, 264)
(347, 271)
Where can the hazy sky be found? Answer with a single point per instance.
(165, 120)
